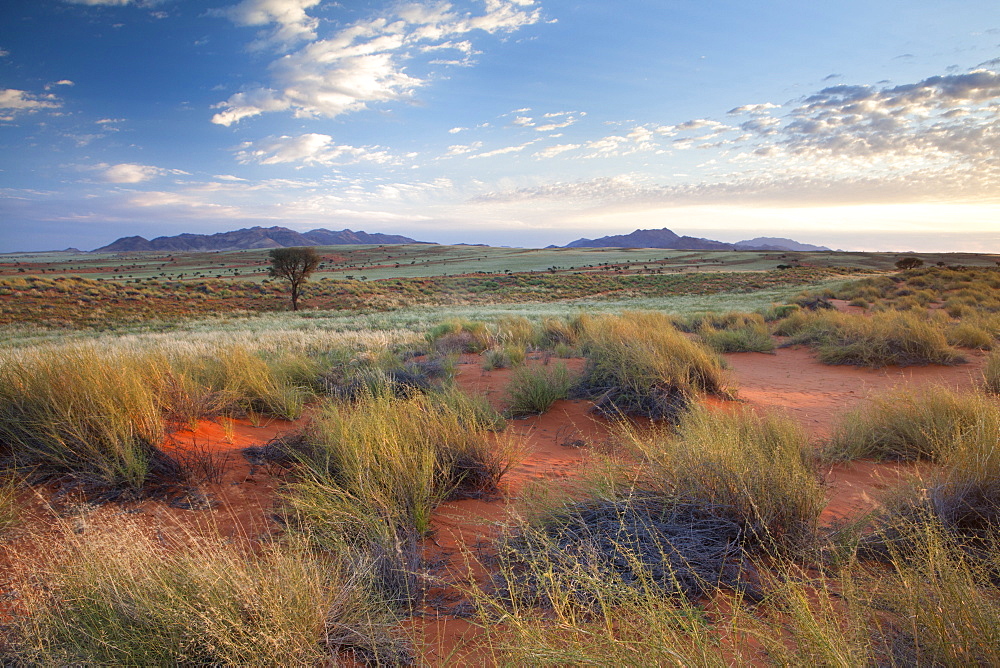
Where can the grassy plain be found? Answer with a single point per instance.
(692, 533)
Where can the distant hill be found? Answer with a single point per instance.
(252, 237)
(776, 244)
(664, 238)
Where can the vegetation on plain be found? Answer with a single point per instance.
(121, 597)
(909, 426)
(640, 364)
(534, 389)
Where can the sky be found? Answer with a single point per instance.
(862, 125)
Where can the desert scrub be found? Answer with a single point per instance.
(245, 384)
(882, 339)
(418, 451)
(121, 597)
(907, 425)
(969, 335)
(961, 499)
(369, 474)
(71, 410)
(503, 357)
(991, 373)
(596, 579)
(752, 337)
(942, 608)
(755, 470)
(534, 389)
(459, 336)
(639, 363)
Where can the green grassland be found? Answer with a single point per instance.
(366, 262)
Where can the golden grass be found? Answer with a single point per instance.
(908, 425)
(121, 597)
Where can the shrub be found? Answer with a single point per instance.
(640, 364)
(71, 411)
(120, 597)
(909, 263)
(534, 389)
(991, 373)
(905, 425)
(884, 339)
(756, 471)
(969, 335)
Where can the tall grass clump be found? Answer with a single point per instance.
(459, 336)
(639, 363)
(121, 597)
(533, 390)
(938, 603)
(962, 498)
(991, 373)
(752, 337)
(755, 470)
(73, 411)
(969, 335)
(243, 383)
(906, 425)
(373, 470)
(417, 449)
(882, 339)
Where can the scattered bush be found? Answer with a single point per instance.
(969, 335)
(905, 425)
(120, 597)
(991, 373)
(69, 411)
(534, 389)
(640, 364)
(756, 471)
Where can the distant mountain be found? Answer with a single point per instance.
(776, 244)
(664, 238)
(251, 237)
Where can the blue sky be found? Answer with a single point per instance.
(859, 125)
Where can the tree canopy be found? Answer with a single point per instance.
(909, 263)
(294, 265)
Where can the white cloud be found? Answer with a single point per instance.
(289, 17)
(455, 131)
(14, 101)
(503, 151)
(361, 64)
(523, 121)
(552, 151)
(309, 149)
(753, 109)
(133, 173)
(462, 149)
(61, 82)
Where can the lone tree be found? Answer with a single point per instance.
(294, 265)
(909, 263)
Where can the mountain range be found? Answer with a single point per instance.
(664, 238)
(279, 237)
(252, 237)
